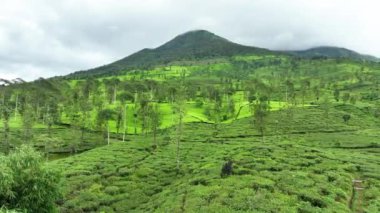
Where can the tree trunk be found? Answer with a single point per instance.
(135, 114)
(108, 133)
(286, 94)
(48, 120)
(125, 122)
(84, 116)
(135, 123)
(6, 135)
(114, 94)
(147, 126)
(155, 137)
(16, 107)
(179, 136)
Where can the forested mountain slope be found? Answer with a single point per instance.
(202, 45)
(193, 45)
(333, 52)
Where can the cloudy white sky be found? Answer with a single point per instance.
(44, 38)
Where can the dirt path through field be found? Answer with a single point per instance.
(356, 201)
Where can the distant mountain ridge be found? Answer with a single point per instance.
(6, 82)
(332, 52)
(202, 44)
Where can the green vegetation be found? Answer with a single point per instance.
(201, 124)
(194, 45)
(333, 52)
(309, 170)
(26, 183)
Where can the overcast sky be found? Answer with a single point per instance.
(44, 38)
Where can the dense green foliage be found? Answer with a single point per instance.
(299, 168)
(216, 128)
(26, 183)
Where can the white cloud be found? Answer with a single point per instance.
(47, 38)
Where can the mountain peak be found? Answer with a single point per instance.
(189, 46)
(197, 33)
(195, 38)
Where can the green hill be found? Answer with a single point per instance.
(201, 124)
(332, 52)
(190, 46)
(202, 45)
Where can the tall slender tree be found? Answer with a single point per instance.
(104, 118)
(155, 120)
(6, 110)
(179, 107)
(124, 97)
(260, 112)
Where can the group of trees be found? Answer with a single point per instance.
(132, 106)
(27, 103)
(99, 104)
(135, 106)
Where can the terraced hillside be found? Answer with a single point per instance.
(306, 164)
(201, 124)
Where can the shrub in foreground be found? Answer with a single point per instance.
(27, 183)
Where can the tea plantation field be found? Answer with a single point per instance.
(306, 163)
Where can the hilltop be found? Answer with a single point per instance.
(193, 45)
(202, 45)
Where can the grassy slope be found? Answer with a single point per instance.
(316, 70)
(325, 69)
(310, 170)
